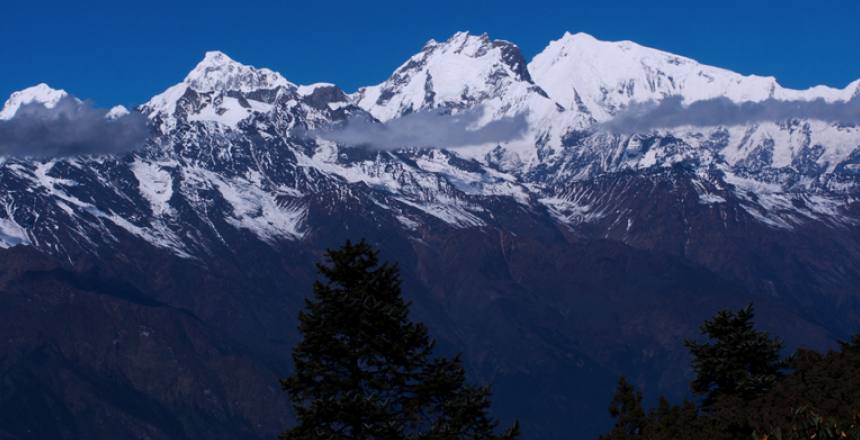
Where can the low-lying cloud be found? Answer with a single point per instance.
(671, 112)
(70, 128)
(425, 129)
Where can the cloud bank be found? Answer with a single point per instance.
(671, 112)
(425, 129)
(70, 128)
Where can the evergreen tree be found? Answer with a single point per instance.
(675, 422)
(665, 422)
(738, 362)
(747, 393)
(626, 409)
(365, 371)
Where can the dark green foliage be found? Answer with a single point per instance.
(365, 371)
(807, 424)
(666, 421)
(672, 422)
(822, 391)
(626, 409)
(738, 361)
(750, 393)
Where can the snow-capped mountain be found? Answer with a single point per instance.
(227, 152)
(603, 78)
(557, 243)
(468, 72)
(464, 71)
(216, 78)
(39, 94)
(243, 132)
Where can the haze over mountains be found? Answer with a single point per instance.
(560, 221)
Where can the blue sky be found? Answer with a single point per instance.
(122, 52)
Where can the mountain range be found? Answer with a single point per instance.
(560, 221)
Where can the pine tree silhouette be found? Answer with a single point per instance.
(738, 362)
(364, 370)
(626, 408)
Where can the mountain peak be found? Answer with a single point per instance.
(215, 73)
(461, 71)
(584, 40)
(218, 72)
(216, 57)
(466, 36)
(469, 44)
(117, 112)
(579, 70)
(213, 60)
(40, 93)
(459, 38)
(578, 36)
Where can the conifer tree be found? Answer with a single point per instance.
(738, 361)
(364, 370)
(749, 393)
(626, 409)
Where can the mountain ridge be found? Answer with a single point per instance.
(555, 260)
(224, 101)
